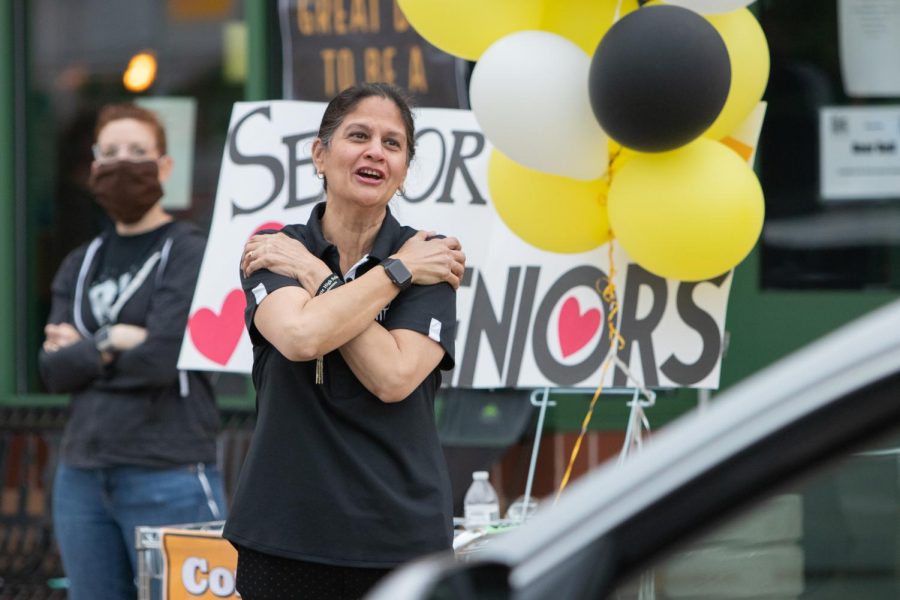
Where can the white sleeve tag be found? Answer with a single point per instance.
(434, 330)
(260, 293)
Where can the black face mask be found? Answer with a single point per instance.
(126, 190)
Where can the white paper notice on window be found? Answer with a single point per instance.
(870, 47)
(179, 115)
(859, 152)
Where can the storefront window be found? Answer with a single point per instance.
(829, 158)
(78, 57)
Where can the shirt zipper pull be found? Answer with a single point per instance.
(320, 370)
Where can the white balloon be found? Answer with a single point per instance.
(710, 7)
(529, 94)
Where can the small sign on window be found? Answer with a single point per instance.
(859, 149)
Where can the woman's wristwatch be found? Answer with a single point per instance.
(102, 341)
(397, 273)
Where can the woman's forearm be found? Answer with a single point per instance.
(391, 364)
(303, 327)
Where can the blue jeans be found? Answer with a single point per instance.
(95, 512)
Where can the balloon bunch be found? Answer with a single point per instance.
(606, 118)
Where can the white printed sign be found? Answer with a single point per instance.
(527, 317)
(859, 152)
(869, 34)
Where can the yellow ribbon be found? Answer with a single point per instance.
(615, 339)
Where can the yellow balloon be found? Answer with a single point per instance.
(465, 28)
(689, 214)
(551, 212)
(583, 21)
(749, 54)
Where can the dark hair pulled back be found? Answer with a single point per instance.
(345, 102)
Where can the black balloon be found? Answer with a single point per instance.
(659, 78)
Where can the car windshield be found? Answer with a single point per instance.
(834, 535)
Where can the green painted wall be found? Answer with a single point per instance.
(765, 325)
(7, 205)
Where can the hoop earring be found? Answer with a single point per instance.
(400, 191)
(320, 175)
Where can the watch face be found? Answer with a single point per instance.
(398, 273)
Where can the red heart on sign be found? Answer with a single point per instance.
(576, 329)
(217, 335)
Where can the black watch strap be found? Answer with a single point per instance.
(101, 339)
(397, 272)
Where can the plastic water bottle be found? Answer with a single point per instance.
(480, 506)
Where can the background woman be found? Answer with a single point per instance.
(139, 446)
(352, 316)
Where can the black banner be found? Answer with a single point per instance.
(329, 45)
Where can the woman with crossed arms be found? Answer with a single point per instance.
(352, 316)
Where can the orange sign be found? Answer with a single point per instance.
(197, 564)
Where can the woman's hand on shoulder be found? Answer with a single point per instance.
(283, 255)
(433, 260)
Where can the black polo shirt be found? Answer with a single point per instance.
(334, 475)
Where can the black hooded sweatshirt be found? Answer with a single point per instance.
(139, 410)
